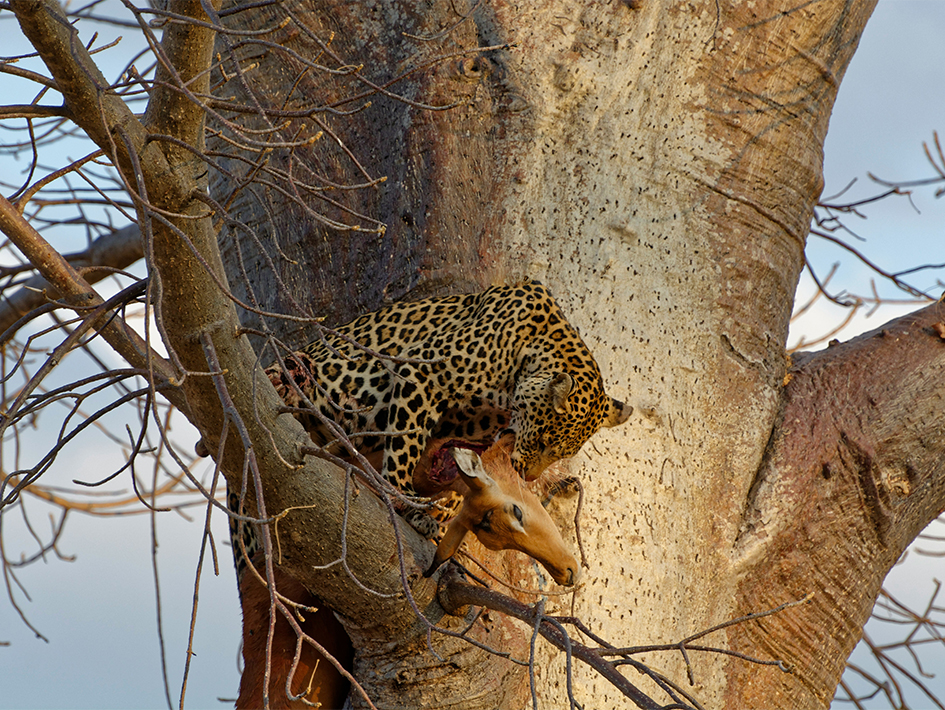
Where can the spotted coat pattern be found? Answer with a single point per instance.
(463, 366)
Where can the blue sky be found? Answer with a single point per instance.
(99, 612)
(890, 102)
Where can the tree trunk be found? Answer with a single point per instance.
(656, 166)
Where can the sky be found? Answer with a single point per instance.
(890, 102)
(100, 617)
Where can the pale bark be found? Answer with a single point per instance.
(656, 165)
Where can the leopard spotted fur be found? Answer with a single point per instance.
(464, 366)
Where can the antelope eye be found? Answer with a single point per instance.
(517, 512)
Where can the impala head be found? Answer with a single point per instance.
(504, 515)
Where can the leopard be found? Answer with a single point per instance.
(464, 369)
(471, 366)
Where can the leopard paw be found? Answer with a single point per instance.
(565, 488)
(422, 522)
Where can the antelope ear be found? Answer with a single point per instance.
(471, 470)
(559, 388)
(448, 545)
(617, 412)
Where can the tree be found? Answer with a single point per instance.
(657, 167)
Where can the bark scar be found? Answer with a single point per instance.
(860, 461)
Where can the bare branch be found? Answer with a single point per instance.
(79, 293)
(115, 250)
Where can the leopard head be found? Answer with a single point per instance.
(554, 414)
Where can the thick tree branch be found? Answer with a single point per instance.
(858, 455)
(181, 246)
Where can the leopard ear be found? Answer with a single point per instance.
(560, 388)
(616, 412)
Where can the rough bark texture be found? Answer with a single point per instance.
(656, 165)
(853, 473)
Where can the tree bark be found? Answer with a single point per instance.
(852, 474)
(656, 166)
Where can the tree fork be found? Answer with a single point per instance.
(857, 453)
